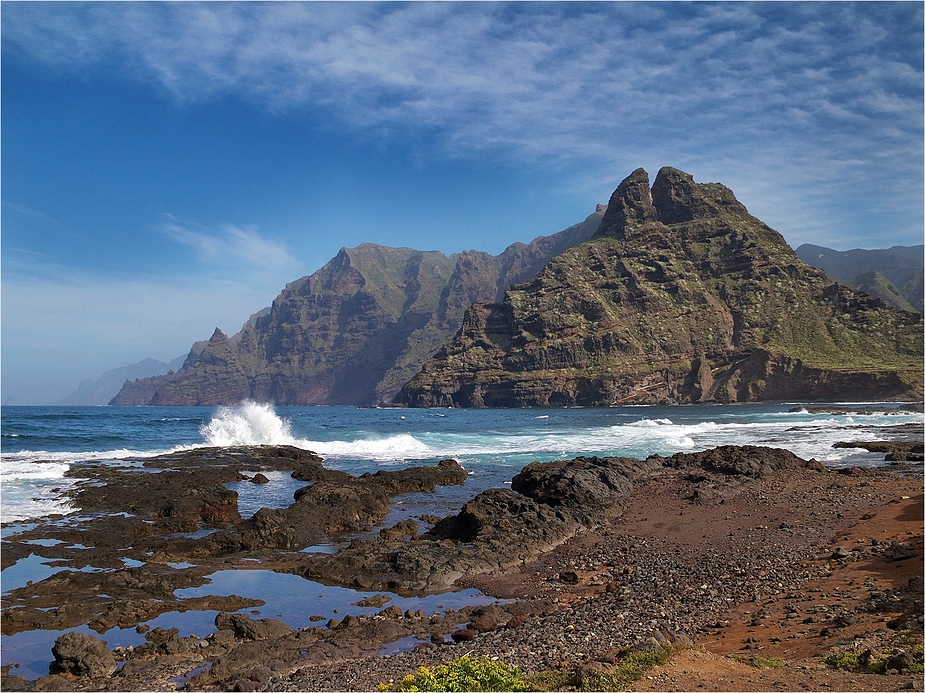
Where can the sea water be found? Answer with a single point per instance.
(39, 444)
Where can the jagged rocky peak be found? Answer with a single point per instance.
(629, 206)
(680, 296)
(678, 199)
(674, 198)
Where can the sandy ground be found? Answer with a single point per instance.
(877, 518)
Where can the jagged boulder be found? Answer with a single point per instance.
(82, 655)
(246, 628)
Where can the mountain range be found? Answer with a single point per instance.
(99, 391)
(671, 293)
(892, 274)
(353, 332)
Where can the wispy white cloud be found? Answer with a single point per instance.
(810, 112)
(244, 247)
(816, 98)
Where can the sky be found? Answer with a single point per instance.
(167, 167)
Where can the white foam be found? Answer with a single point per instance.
(249, 424)
(25, 470)
(383, 449)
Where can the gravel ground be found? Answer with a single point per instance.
(668, 568)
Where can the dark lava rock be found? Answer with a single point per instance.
(376, 601)
(517, 621)
(899, 661)
(463, 635)
(247, 629)
(587, 484)
(742, 460)
(500, 528)
(488, 618)
(82, 655)
(259, 478)
(406, 528)
(334, 504)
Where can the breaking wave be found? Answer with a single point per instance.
(249, 424)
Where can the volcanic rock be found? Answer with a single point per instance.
(82, 655)
(246, 628)
(681, 296)
(353, 332)
(500, 528)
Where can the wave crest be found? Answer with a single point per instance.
(249, 424)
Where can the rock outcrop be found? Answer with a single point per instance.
(82, 655)
(681, 296)
(547, 504)
(353, 332)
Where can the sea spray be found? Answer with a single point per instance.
(249, 424)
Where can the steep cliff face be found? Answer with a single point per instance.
(681, 296)
(355, 331)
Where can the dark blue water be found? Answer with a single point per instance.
(40, 443)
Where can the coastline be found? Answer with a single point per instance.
(658, 536)
(729, 554)
(683, 558)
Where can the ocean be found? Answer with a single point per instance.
(39, 444)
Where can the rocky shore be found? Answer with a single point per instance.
(744, 551)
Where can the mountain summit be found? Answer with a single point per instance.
(680, 296)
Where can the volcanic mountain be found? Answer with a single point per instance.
(680, 296)
(354, 331)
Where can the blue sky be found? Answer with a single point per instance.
(168, 167)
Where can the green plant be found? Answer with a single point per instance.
(630, 668)
(760, 662)
(843, 660)
(550, 681)
(463, 674)
(876, 662)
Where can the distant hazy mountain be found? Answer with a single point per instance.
(893, 275)
(95, 392)
(353, 332)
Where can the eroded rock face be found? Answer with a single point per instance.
(681, 296)
(355, 331)
(498, 529)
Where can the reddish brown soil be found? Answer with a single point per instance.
(848, 512)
